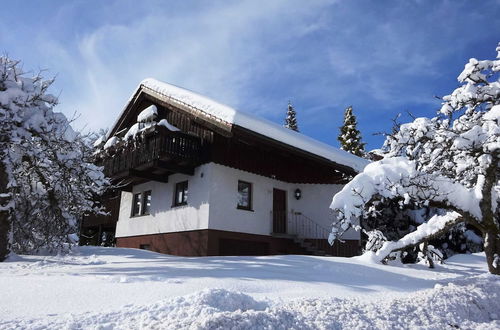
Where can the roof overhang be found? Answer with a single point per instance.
(199, 115)
(305, 145)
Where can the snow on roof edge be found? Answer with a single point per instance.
(227, 114)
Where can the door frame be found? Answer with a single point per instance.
(279, 212)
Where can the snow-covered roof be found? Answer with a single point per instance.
(220, 112)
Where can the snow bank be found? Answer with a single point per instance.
(469, 303)
(94, 288)
(224, 113)
(472, 303)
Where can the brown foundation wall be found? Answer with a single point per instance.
(349, 248)
(186, 243)
(225, 243)
(229, 243)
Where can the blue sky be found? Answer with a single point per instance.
(383, 57)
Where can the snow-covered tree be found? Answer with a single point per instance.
(47, 179)
(350, 136)
(449, 162)
(291, 118)
(392, 219)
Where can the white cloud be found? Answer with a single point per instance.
(219, 51)
(257, 55)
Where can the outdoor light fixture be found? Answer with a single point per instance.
(298, 194)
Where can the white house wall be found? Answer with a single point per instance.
(212, 200)
(223, 198)
(224, 215)
(164, 218)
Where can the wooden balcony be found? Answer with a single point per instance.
(153, 155)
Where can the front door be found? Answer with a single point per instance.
(279, 211)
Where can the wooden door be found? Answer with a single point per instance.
(279, 211)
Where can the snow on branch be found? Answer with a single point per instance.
(47, 177)
(398, 177)
(450, 162)
(437, 225)
(477, 88)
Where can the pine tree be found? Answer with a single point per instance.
(350, 136)
(291, 118)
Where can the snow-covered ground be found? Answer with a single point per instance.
(107, 288)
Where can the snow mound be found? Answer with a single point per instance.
(199, 310)
(60, 262)
(12, 257)
(224, 300)
(472, 302)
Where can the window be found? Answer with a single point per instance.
(181, 192)
(136, 205)
(244, 195)
(141, 203)
(146, 203)
(145, 247)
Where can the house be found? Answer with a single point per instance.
(198, 178)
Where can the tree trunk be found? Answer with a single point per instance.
(492, 251)
(490, 229)
(5, 226)
(427, 255)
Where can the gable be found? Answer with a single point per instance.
(197, 115)
(188, 120)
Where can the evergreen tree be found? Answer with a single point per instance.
(291, 118)
(350, 136)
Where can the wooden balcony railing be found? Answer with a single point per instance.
(157, 149)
